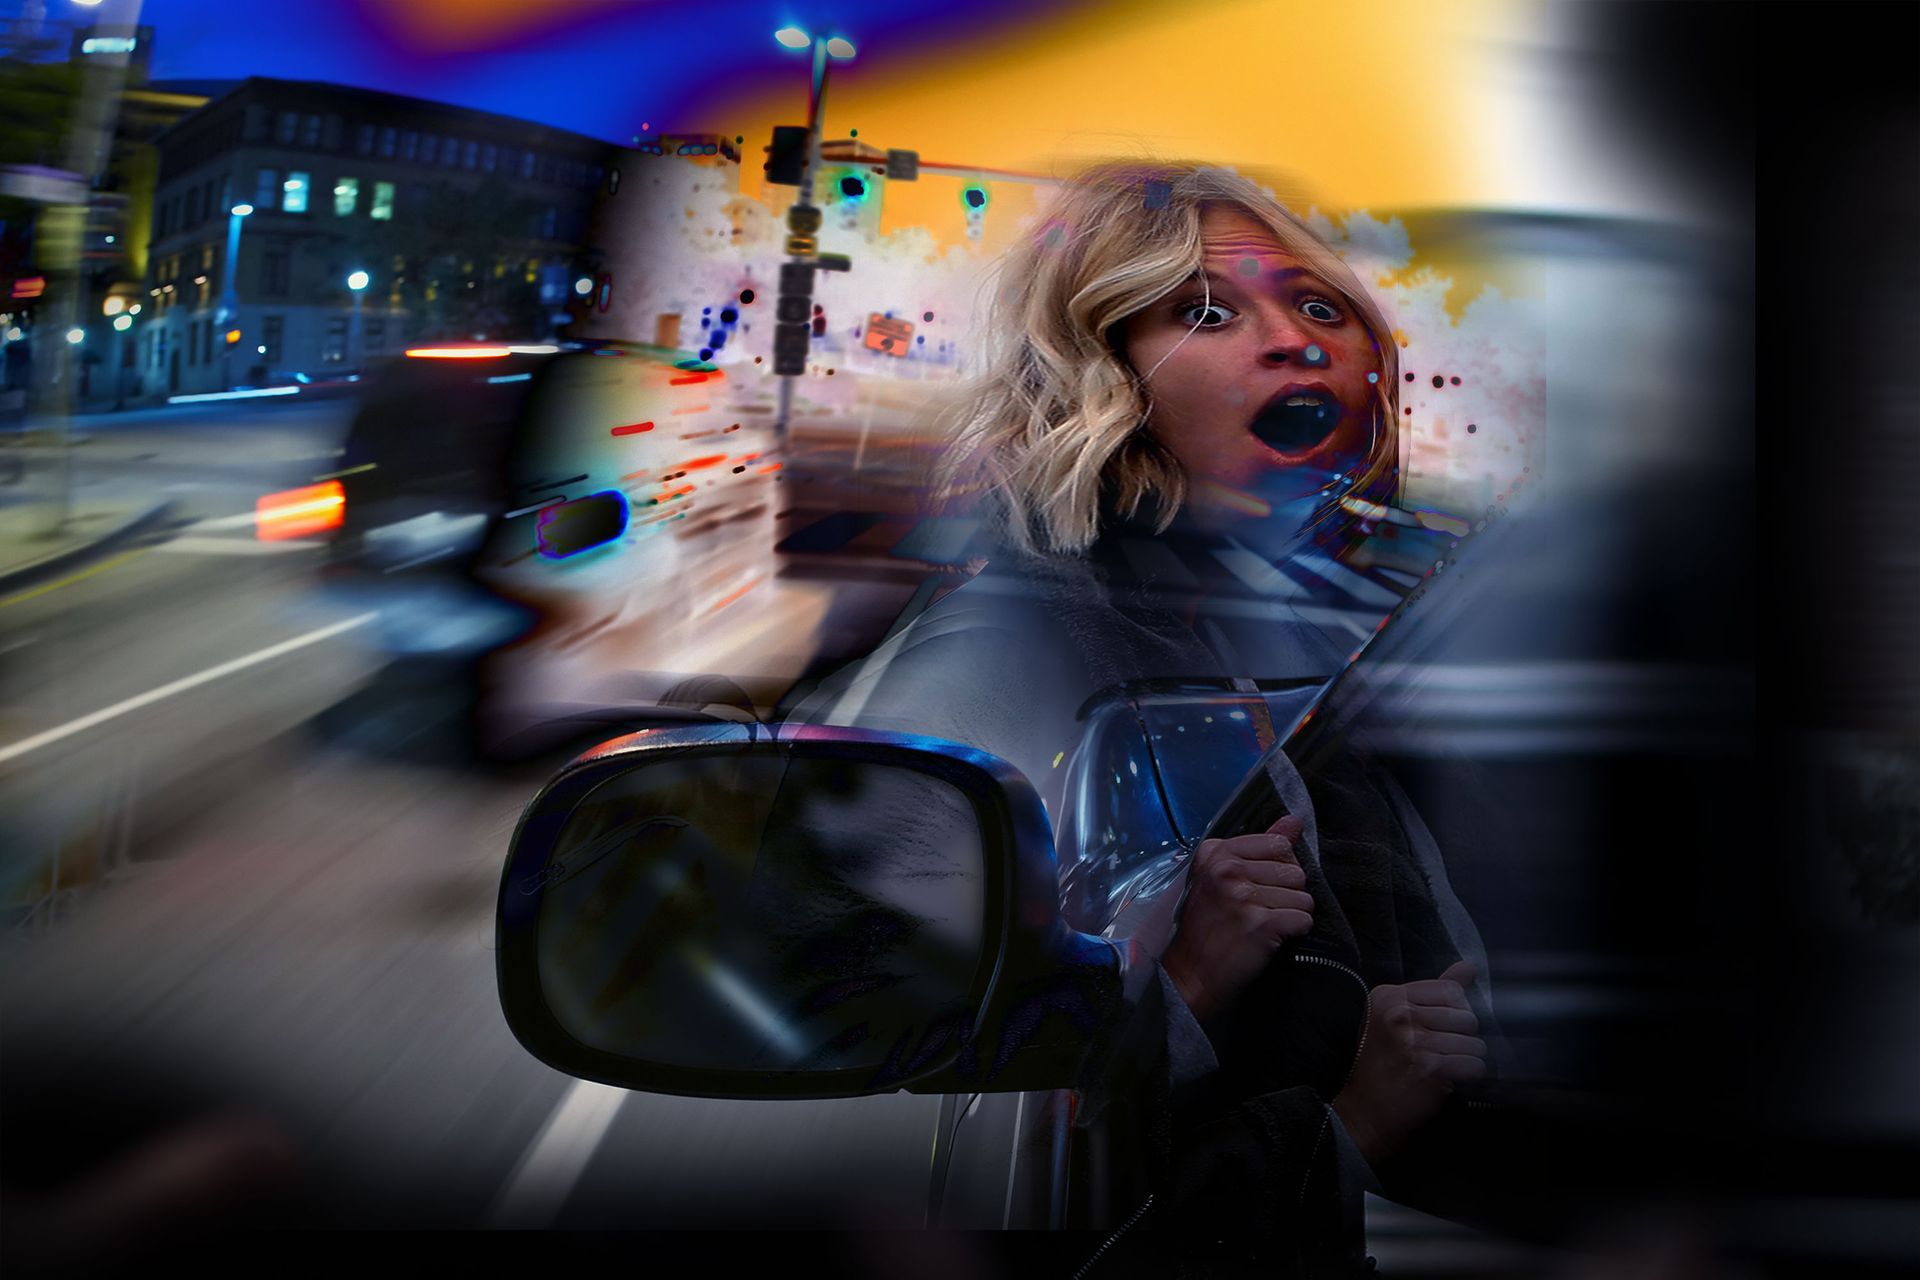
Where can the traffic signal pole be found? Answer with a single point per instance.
(793, 337)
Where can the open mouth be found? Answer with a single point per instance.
(1295, 420)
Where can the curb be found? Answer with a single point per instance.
(62, 562)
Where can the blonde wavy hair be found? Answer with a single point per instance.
(1052, 433)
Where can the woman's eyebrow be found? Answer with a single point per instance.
(1237, 280)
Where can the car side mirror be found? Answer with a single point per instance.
(732, 910)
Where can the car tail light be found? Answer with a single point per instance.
(300, 513)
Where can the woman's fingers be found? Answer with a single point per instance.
(1265, 847)
(1282, 926)
(1273, 898)
(1445, 1018)
(1447, 1043)
(1283, 875)
(1437, 993)
(1455, 1066)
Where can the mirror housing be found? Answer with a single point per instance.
(1038, 997)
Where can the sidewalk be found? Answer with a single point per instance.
(33, 553)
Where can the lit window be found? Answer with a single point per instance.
(382, 209)
(346, 197)
(293, 192)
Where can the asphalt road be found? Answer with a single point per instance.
(276, 922)
(272, 919)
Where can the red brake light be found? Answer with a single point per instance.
(300, 513)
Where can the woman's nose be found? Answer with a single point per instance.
(1290, 343)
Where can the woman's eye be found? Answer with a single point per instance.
(1205, 315)
(1320, 309)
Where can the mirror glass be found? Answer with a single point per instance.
(748, 912)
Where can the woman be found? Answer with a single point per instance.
(1186, 375)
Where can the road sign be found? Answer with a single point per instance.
(889, 335)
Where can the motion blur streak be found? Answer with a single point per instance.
(302, 512)
(249, 393)
(458, 353)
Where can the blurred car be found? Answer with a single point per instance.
(533, 494)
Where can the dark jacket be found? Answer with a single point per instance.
(1227, 1127)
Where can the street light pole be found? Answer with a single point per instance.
(357, 285)
(229, 293)
(824, 50)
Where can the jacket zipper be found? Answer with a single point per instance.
(1366, 1016)
(1366, 1013)
(1124, 1227)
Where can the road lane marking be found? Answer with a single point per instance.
(234, 546)
(1013, 1160)
(72, 578)
(546, 1174)
(242, 521)
(152, 696)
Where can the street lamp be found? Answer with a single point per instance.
(825, 49)
(357, 283)
(229, 292)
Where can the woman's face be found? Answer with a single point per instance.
(1273, 393)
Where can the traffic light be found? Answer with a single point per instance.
(792, 335)
(787, 157)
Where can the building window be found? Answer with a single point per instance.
(363, 141)
(206, 257)
(491, 157)
(285, 127)
(429, 148)
(549, 222)
(387, 136)
(471, 155)
(276, 268)
(293, 196)
(373, 339)
(410, 145)
(266, 189)
(310, 136)
(271, 330)
(206, 340)
(527, 159)
(382, 210)
(335, 350)
(346, 196)
(193, 206)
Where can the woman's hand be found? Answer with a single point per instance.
(1246, 897)
(1420, 1043)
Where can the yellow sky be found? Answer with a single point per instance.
(1349, 103)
